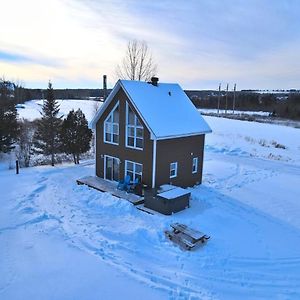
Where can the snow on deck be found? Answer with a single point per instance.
(103, 185)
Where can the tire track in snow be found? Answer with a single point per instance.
(11, 274)
(41, 218)
(259, 279)
(82, 231)
(78, 230)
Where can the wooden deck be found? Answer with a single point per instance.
(103, 185)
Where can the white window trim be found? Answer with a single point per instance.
(135, 127)
(134, 166)
(113, 123)
(96, 157)
(104, 164)
(195, 159)
(154, 164)
(176, 167)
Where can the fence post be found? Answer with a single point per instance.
(17, 167)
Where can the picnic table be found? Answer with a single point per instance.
(185, 236)
(195, 235)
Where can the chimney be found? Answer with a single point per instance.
(104, 87)
(154, 81)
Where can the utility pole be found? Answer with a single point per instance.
(219, 98)
(226, 103)
(233, 105)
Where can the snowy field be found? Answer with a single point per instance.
(251, 139)
(59, 240)
(32, 109)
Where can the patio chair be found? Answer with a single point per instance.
(132, 185)
(124, 184)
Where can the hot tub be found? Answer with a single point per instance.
(168, 199)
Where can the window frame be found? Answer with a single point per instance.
(134, 169)
(104, 165)
(173, 169)
(195, 164)
(111, 125)
(135, 128)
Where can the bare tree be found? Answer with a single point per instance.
(137, 63)
(24, 145)
(96, 106)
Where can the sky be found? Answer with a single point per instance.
(199, 44)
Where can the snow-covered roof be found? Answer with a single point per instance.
(165, 109)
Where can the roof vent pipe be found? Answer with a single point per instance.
(154, 81)
(104, 87)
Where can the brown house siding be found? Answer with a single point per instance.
(121, 151)
(180, 150)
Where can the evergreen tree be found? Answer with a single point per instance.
(75, 135)
(46, 139)
(8, 118)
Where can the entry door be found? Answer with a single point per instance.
(112, 168)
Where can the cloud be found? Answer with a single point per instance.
(6, 56)
(72, 42)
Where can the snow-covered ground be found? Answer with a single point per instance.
(59, 240)
(32, 109)
(251, 139)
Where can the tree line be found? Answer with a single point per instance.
(49, 135)
(284, 106)
(27, 94)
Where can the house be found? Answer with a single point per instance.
(150, 131)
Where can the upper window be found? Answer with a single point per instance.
(173, 169)
(134, 170)
(195, 165)
(134, 130)
(111, 126)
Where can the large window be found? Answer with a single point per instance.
(134, 130)
(195, 165)
(173, 169)
(134, 170)
(111, 168)
(111, 126)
